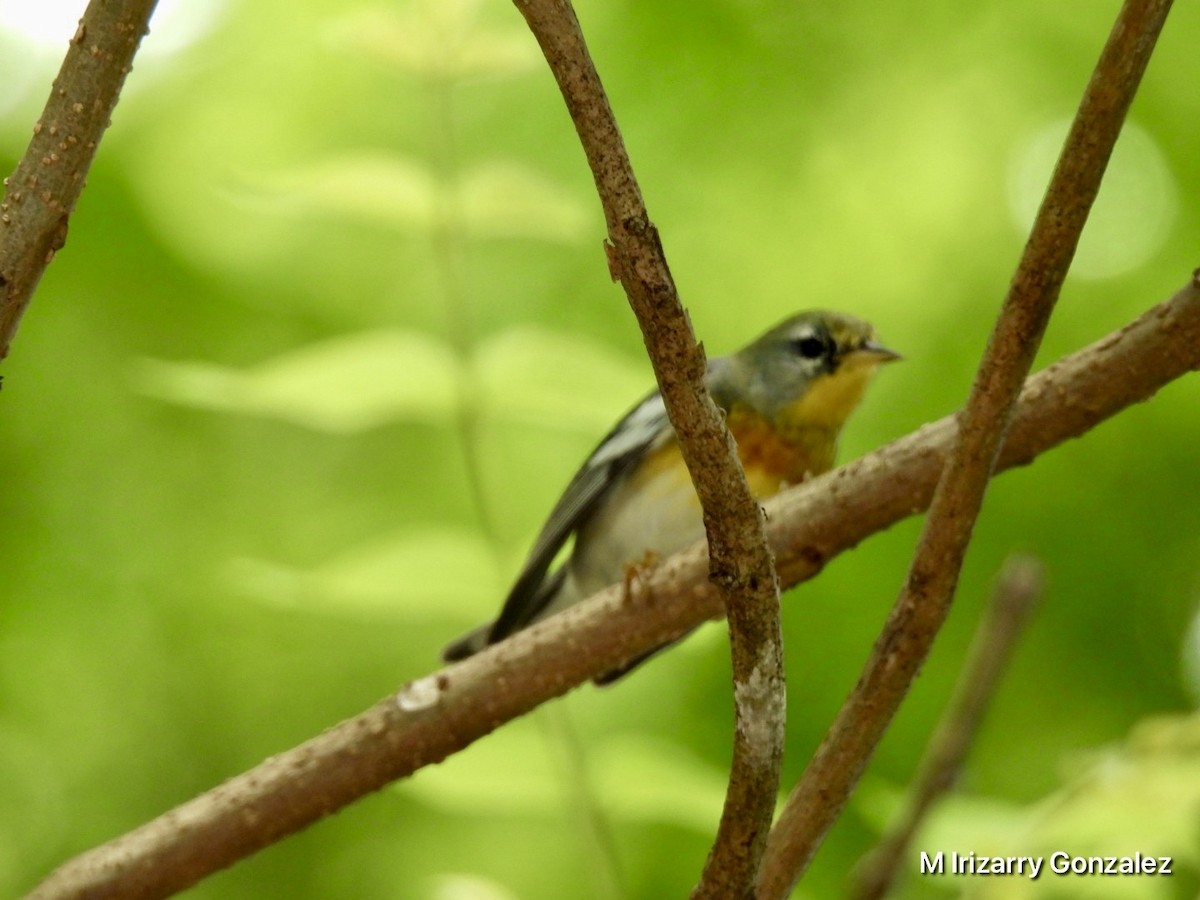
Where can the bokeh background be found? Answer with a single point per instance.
(333, 327)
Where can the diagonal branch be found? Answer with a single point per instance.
(442, 713)
(741, 563)
(42, 191)
(925, 600)
(1016, 595)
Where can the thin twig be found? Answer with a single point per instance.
(444, 712)
(741, 563)
(1018, 591)
(42, 191)
(925, 600)
(605, 878)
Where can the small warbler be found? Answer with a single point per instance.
(785, 397)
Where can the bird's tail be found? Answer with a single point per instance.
(469, 644)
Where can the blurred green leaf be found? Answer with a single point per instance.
(364, 380)
(341, 385)
(439, 38)
(432, 573)
(633, 777)
(372, 186)
(512, 775)
(538, 375)
(468, 887)
(492, 200)
(654, 781)
(507, 200)
(1142, 797)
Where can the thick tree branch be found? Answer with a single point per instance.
(440, 714)
(1017, 593)
(925, 600)
(42, 191)
(741, 563)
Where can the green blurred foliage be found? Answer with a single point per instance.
(334, 326)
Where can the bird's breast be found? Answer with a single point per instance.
(654, 510)
(773, 459)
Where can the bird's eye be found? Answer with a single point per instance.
(810, 347)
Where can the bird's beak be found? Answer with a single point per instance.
(876, 352)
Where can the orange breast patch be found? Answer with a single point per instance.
(770, 459)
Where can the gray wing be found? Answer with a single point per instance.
(640, 430)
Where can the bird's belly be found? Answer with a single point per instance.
(655, 513)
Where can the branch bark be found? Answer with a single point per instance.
(925, 600)
(42, 191)
(442, 713)
(741, 564)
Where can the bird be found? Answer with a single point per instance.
(785, 397)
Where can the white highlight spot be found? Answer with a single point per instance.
(34, 35)
(420, 694)
(51, 23)
(1132, 215)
